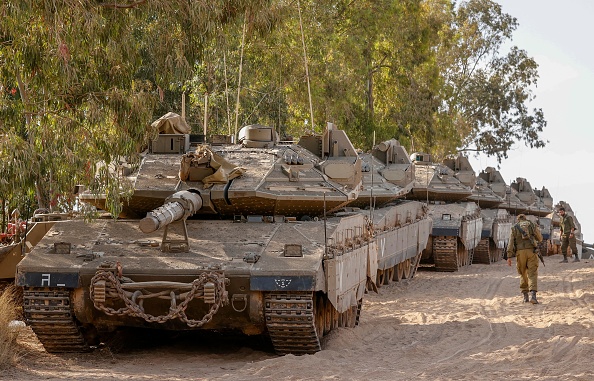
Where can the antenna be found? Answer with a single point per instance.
(183, 106)
(427, 181)
(239, 79)
(371, 187)
(325, 230)
(205, 114)
(227, 91)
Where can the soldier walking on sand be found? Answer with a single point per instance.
(523, 243)
(567, 235)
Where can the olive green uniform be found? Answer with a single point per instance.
(522, 243)
(567, 225)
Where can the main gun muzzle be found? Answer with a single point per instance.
(178, 206)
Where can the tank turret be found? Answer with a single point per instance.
(534, 204)
(388, 175)
(434, 181)
(482, 193)
(255, 177)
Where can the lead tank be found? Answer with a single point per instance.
(457, 224)
(251, 237)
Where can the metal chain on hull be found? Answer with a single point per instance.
(105, 283)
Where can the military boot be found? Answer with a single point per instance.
(564, 259)
(526, 300)
(576, 259)
(533, 297)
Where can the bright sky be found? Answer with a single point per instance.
(558, 35)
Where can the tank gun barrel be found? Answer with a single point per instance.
(180, 205)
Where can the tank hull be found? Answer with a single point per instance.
(456, 232)
(495, 235)
(302, 278)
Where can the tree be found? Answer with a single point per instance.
(486, 94)
(80, 81)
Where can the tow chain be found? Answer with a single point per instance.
(135, 309)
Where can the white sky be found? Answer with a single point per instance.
(558, 35)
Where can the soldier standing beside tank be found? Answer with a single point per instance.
(567, 235)
(523, 243)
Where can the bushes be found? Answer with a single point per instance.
(8, 333)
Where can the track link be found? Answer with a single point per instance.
(290, 322)
(358, 314)
(482, 252)
(445, 253)
(49, 313)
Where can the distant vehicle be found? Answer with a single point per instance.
(457, 224)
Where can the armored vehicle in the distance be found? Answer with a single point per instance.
(489, 192)
(497, 224)
(250, 237)
(534, 204)
(457, 224)
(537, 207)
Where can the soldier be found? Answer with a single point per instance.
(523, 243)
(567, 235)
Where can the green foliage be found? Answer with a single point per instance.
(81, 81)
(486, 94)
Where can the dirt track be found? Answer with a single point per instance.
(469, 325)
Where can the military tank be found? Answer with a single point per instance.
(457, 224)
(497, 224)
(539, 205)
(388, 175)
(537, 208)
(488, 193)
(250, 237)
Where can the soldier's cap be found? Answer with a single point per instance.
(521, 217)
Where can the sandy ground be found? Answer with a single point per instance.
(469, 325)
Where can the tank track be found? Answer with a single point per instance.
(290, 322)
(358, 313)
(50, 315)
(482, 253)
(445, 253)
